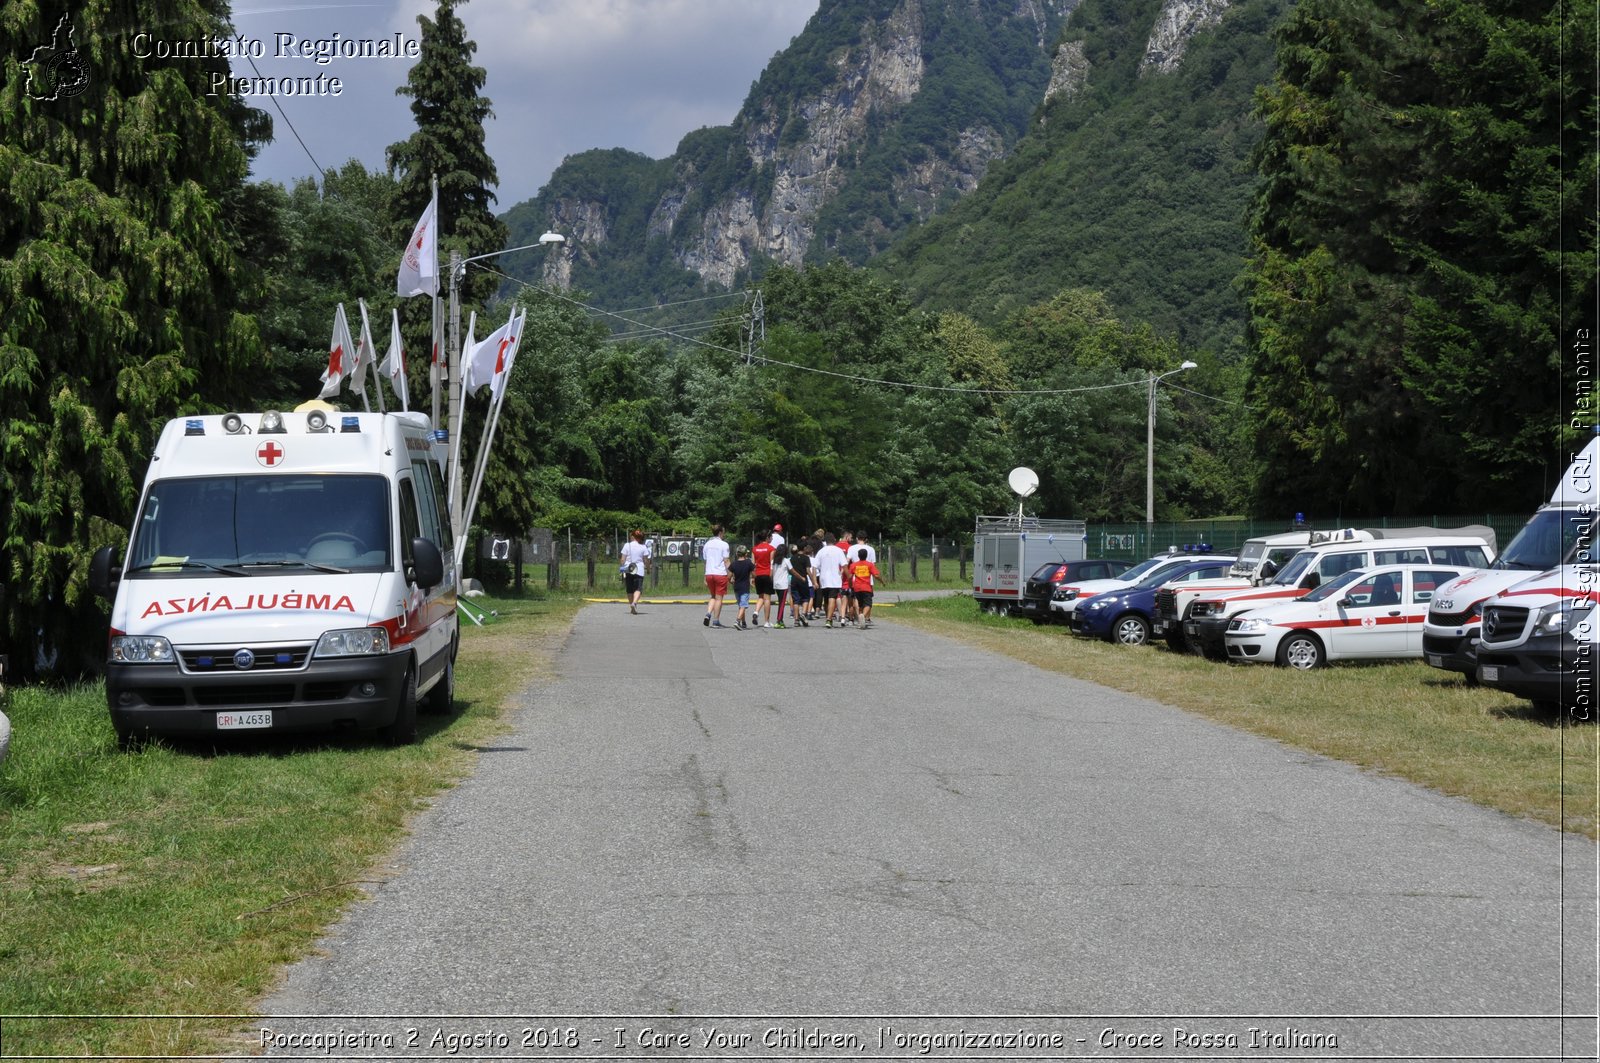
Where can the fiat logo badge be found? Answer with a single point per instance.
(243, 660)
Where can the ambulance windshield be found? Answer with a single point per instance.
(1544, 540)
(262, 525)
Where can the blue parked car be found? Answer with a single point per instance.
(1125, 615)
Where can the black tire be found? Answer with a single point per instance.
(129, 739)
(441, 699)
(402, 730)
(1130, 629)
(1303, 652)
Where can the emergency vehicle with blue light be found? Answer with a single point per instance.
(285, 572)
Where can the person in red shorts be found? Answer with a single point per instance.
(762, 556)
(715, 555)
(860, 575)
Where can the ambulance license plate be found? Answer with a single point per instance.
(1489, 672)
(239, 721)
(1435, 660)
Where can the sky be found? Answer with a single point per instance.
(564, 76)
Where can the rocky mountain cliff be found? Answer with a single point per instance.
(880, 115)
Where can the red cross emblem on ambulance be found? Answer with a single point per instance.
(269, 453)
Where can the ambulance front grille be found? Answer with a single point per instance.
(265, 659)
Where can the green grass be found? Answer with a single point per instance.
(179, 880)
(1400, 718)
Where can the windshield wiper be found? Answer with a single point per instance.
(156, 566)
(296, 564)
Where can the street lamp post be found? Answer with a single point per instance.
(1150, 455)
(458, 269)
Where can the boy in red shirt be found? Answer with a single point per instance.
(861, 574)
(762, 556)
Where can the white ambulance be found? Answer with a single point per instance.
(285, 572)
(1540, 639)
(1450, 635)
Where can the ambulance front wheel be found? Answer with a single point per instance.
(441, 699)
(403, 730)
(129, 739)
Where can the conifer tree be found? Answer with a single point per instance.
(1408, 236)
(447, 102)
(119, 289)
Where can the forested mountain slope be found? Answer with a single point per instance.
(1133, 181)
(880, 113)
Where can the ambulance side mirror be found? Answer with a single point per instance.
(427, 564)
(104, 572)
(1268, 569)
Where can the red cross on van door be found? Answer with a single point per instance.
(269, 453)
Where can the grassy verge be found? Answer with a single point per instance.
(1401, 718)
(177, 881)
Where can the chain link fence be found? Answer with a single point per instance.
(563, 561)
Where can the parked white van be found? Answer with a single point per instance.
(284, 573)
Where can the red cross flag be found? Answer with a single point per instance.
(341, 356)
(484, 359)
(394, 364)
(419, 266)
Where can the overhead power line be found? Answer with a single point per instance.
(643, 328)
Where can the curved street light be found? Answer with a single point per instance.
(458, 269)
(1150, 453)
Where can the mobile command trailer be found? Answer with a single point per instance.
(1006, 549)
(284, 574)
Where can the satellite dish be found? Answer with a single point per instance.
(1024, 481)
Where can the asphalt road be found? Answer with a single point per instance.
(857, 830)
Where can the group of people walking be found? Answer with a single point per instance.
(813, 580)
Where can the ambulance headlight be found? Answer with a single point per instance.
(353, 642)
(1565, 617)
(141, 649)
(1248, 626)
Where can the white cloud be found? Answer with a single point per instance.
(563, 76)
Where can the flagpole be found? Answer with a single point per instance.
(453, 479)
(433, 335)
(372, 361)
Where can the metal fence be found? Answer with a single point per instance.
(570, 563)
